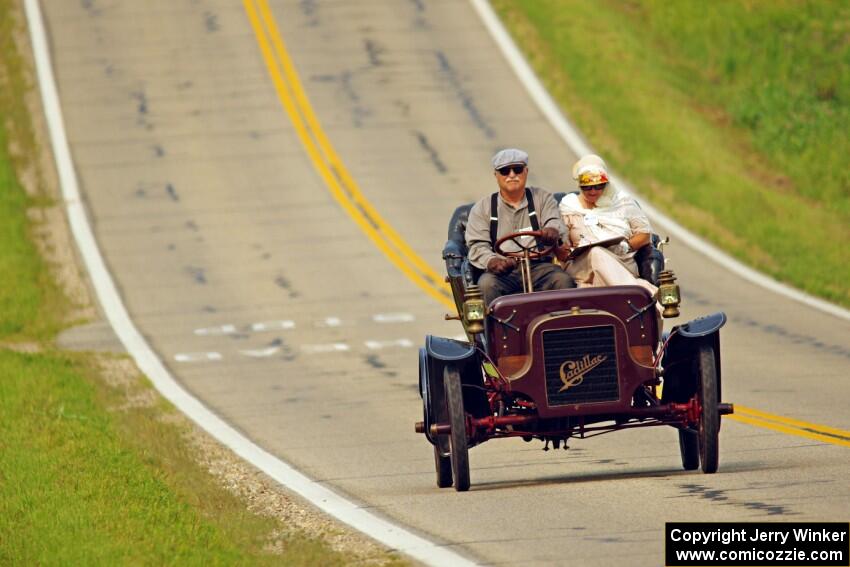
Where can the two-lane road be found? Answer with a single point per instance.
(280, 252)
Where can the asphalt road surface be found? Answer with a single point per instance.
(237, 224)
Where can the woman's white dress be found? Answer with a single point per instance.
(616, 214)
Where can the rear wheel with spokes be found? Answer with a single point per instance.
(443, 464)
(458, 444)
(689, 449)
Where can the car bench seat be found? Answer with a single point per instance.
(462, 274)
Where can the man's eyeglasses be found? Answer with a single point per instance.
(599, 187)
(517, 168)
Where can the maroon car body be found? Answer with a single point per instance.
(555, 365)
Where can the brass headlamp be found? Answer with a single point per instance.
(668, 294)
(473, 310)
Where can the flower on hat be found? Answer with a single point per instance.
(593, 175)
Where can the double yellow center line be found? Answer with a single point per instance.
(791, 426)
(326, 161)
(347, 193)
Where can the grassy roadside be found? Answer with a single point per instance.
(730, 116)
(93, 475)
(28, 295)
(75, 492)
(95, 469)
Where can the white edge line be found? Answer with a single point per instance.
(577, 144)
(347, 511)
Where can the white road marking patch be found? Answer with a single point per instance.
(213, 331)
(197, 356)
(283, 324)
(329, 322)
(329, 347)
(375, 345)
(393, 317)
(261, 353)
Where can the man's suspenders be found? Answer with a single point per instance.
(532, 214)
(494, 219)
(494, 215)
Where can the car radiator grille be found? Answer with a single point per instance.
(581, 365)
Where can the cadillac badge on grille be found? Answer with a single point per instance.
(572, 371)
(581, 365)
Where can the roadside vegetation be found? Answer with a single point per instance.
(95, 468)
(732, 117)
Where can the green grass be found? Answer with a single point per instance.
(74, 493)
(29, 302)
(85, 477)
(17, 303)
(82, 485)
(730, 116)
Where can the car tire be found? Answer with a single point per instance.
(443, 464)
(689, 449)
(459, 448)
(709, 421)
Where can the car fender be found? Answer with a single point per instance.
(433, 358)
(429, 391)
(703, 326)
(448, 350)
(679, 381)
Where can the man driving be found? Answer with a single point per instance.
(514, 208)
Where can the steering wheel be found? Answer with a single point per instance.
(533, 252)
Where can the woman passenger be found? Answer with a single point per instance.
(599, 212)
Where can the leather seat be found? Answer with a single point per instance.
(461, 273)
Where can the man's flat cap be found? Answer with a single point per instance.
(509, 156)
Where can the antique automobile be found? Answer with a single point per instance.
(556, 365)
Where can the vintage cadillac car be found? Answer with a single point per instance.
(553, 365)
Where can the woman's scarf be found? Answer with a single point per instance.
(608, 219)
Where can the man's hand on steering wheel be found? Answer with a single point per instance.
(549, 235)
(500, 266)
(533, 250)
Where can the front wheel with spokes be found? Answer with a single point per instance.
(709, 421)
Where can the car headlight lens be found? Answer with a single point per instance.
(474, 310)
(668, 294)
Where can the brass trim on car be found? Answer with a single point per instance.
(517, 369)
(532, 329)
